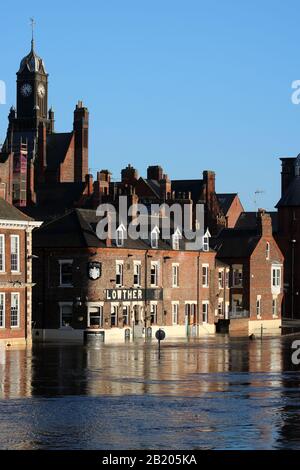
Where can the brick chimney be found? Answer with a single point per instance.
(209, 179)
(155, 173)
(81, 133)
(129, 175)
(264, 223)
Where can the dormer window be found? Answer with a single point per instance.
(176, 240)
(205, 241)
(154, 237)
(120, 236)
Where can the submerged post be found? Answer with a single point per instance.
(160, 336)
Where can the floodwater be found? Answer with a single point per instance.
(216, 393)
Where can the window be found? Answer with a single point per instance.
(95, 316)
(205, 244)
(227, 279)
(66, 273)
(205, 312)
(258, 306)
(205, 241)
(205, 272)
(125, 315)
(119, 273)
(120, 238)
(154, 274)
(2, 310)
(176, 240)
(274, 307)
(175, 308)
(2, 253)
(175, 275)
(114, 315)
(120, 235)
(154, 238)
(137, 273)
(237, 276)
(153, 313)
(221, 279)
(268, 251)
(220, 307)
(66, 315)
(15, 311)
(276, 277)
(15, 253)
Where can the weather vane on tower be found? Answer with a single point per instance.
(32, 22)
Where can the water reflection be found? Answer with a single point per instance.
(211, 393)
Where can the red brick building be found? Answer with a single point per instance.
(288, 234)
(86, 283)
(256, 274)
(15, 274)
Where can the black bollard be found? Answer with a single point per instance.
(160, 336)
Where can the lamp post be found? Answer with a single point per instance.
(292, 277)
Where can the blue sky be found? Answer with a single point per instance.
(189, 84)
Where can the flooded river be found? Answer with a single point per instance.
(216, 393)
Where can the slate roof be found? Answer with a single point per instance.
(77, 228)
(9, 212)
(235, 243)
(248, 220)
(57, 147)
(225, 200)
(291, 197)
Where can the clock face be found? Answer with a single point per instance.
(41, 90)
(26, 89)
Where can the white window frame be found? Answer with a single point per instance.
(61, 305)
(175, 313)
(2, 245)
(205, 241)
(114, 309)
(61, 263)
(17, 237)
(17, 294)
(206, 282)
(277, 284)
(175, 275)
(137, 271)
(120, 236)
(220, 307)
(176, 237)
(206, 313)
(2, 304)
(101, 315)
(127, 307)
(154, 237)
(120, 264)
(156, 265)
(221, 279)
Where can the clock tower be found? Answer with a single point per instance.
(32, 93)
